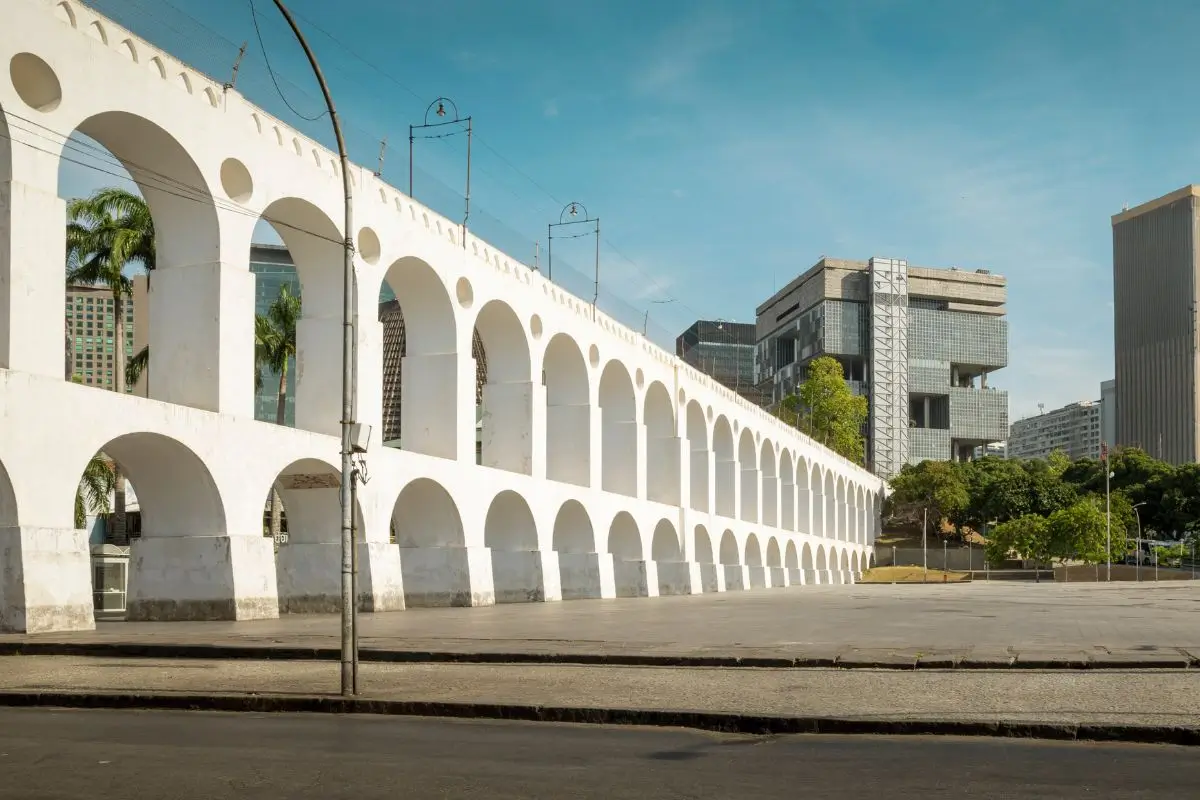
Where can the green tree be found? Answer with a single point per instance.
(275, 350)
(936, 488)
(1028, 537)
(826, 409)
(997, 491)
(106, 233)
(1047, 492)
(1080, 530)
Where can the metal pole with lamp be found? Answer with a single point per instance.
(572, 210)
(354, 437)
(1107, 511)
(925, 547)
(1138, 557)
(440, 111)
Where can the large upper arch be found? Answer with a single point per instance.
(618, 424)
(787, 491)
(662, 447)
(697, 436)
(174, 187)
(568, 412)
(725, 463)
(506, 404)
(748, 465)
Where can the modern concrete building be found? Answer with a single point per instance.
(609, 466)
(1108, 412)
(724, 350)
(89, 330)
(1074, 429)
(1156, 258)
(920, 343)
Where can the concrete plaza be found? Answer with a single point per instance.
(977, 624)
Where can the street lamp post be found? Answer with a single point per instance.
(349, 376)
(438, 107)
(1138, 517)
(572, 210)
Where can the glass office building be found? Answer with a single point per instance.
(724, 351)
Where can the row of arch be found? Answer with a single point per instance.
(426, 516)
(641, 445)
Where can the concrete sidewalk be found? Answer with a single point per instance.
(975, 626)
(1138, 706)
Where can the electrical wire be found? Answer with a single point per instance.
(275, 79)
(604, 241)
(271, 71)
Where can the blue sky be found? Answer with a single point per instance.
(728, 145)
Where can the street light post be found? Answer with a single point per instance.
(1138, 517)
(349, 374)
(572, 210)
(1107, 511)
(438, 107)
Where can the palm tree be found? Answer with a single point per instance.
(274, 349)
(137, 364)
(105, 233)
(98, 482)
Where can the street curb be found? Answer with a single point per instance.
(1176, 661)
(699, 720)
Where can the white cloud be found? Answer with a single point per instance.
(550, 109)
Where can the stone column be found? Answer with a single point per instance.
(750, 485)
(737, 577)
(447, 576)
(507, 409)
(32, 291)
(679, 577)
(587, 576)
(636, 578)
(804, 509)
(526, 576)
(45, 585)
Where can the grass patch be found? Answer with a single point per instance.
(910, 575)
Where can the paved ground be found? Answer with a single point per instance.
(106, 755)
(1093, 697)
(986, 623)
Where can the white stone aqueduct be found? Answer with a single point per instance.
(609, 467)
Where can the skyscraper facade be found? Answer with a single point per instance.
(90, 331)
(1155, 291)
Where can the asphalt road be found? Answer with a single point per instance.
(98, 755)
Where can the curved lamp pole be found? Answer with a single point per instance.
(1139, 538)
(566, 217)
(438, 108)
(349, 656)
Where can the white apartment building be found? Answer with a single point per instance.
(1073, 429)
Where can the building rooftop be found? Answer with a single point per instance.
(981, 283)
(1191, 190)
